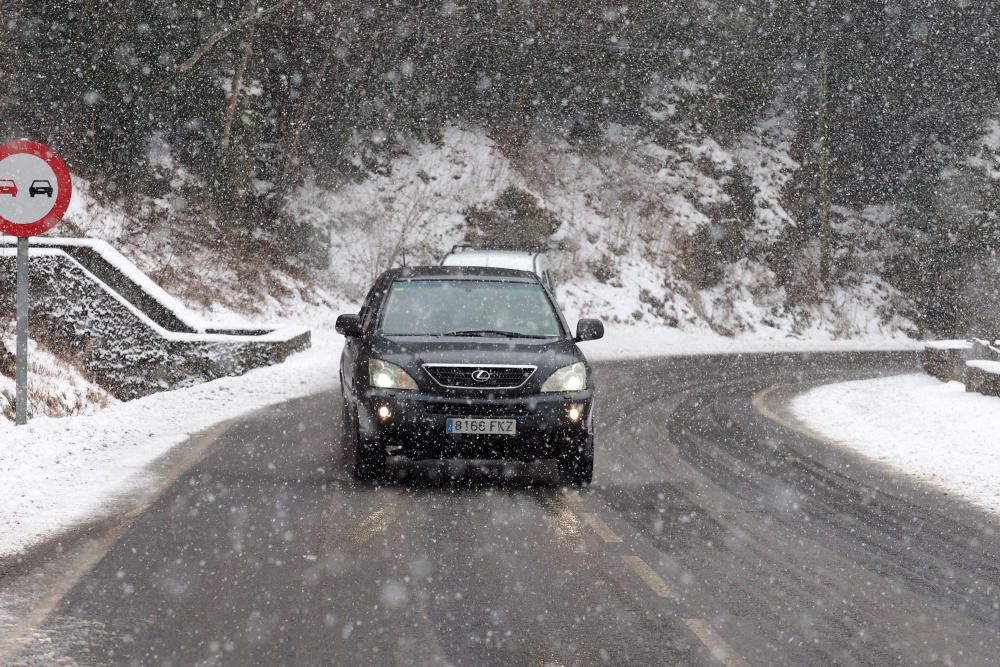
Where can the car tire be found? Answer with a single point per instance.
(368, 465)
(576, 467)
(347, 428)
(369, 459)
(369, 462)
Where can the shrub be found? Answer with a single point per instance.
(699, 260)
(513, 221)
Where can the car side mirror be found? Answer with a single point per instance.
(589, 330)
(349, 325)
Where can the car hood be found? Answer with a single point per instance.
(410, 351)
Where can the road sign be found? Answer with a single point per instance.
(35, 189)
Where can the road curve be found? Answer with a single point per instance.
(712, 535)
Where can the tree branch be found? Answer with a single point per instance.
(234, 92)
(210, 43)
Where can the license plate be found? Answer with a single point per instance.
(473, 426)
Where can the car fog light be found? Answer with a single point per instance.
(384, 412)
(574, 412)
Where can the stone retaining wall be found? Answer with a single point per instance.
(120, 347)
(975, 362)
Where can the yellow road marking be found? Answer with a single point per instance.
(721, 651)
(98, 548)
(759, 402)
(567, 525)
(650, 577)
(574, 500)
(601, 528)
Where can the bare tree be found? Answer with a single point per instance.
(824, 186)
(212, 41)
(249, 10)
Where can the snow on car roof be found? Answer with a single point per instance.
(504, 259)
(462, 272)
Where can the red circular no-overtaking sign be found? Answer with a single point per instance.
(35, 188)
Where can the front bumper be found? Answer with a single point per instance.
(416, 428)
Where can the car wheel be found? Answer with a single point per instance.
(369, 459)
(576, 467)
(369, 462)
(366, 467)
(347, 427)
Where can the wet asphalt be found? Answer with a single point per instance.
(711, 535)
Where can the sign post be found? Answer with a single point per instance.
(21, 374)
(35, 189)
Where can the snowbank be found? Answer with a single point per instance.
(628, 342)
(57, 388)
(931, 431)
(984, 365)
(957, 344)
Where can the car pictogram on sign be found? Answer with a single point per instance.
(40, 187)
(8, 187)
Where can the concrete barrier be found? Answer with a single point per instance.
(983, 377)
(945, 359)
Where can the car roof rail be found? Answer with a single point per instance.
(533, 250)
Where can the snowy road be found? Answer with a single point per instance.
(712, 535)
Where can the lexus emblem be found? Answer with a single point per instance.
(481, 375)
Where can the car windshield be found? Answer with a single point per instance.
(468, 307)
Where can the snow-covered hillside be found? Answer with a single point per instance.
(639, 221)
(693, 235)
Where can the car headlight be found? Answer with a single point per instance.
(567, 378)
(383, 375)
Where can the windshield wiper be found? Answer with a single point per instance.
(491, 332)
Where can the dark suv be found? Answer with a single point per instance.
(466, 362)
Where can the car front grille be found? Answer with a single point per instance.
(470, 376)
(456, 409)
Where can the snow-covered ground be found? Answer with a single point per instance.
(632, 342)
(57, 388)
(932, 431)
